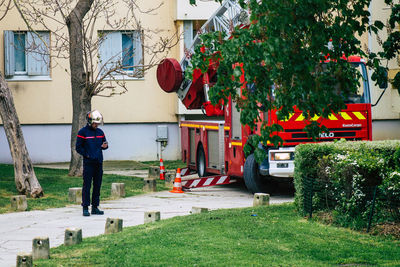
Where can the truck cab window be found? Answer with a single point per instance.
(363, 93)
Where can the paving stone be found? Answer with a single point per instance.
(72, 236)
(19, 203)
(261, 199)
(117, 190)
(75, 195)
(154, 172)
(24, 259)
(113, 225)
(151, 216)
(149, 185)
(170, 179)
(198, 210)
(41, 248)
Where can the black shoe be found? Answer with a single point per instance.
(96, 211)
(86, 211)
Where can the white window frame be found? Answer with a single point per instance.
(107, 57)
(10, 73)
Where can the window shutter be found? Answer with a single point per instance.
(9, 59)
(187, 34)
(38, 57)
(110, 51)
(138, 50)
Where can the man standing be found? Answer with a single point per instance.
(90, 144)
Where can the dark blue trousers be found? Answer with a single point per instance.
(92, 171)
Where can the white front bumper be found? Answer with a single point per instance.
(281, 168)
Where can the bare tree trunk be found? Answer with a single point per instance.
(25, 178)
(81, 97)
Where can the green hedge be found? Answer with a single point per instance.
(341, 178)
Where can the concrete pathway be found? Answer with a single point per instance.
(18, 229)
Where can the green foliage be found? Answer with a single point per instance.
(278, 60)
(391, 46)
(343, 177)
(262, 236)
(392, 191)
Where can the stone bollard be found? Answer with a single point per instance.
(40, 248)
(170, 179)
(151, 216)
(261, 199)
(117, 190)
(149, 185)
(154, 172)
(113, 225)
(19, 203)
(75, 195)
(72, 236)
(24, 259)
(198, 210)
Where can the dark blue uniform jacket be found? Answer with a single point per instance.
(88, 144)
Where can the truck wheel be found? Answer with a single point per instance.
(201, 162)
(255, 183)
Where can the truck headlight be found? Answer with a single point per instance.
(281, 156)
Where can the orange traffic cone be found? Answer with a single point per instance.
(178, 183)
(162, 170)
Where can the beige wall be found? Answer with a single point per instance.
(389, 106)
(202, 10)
(48, 102)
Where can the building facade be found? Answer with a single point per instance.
(42, 90)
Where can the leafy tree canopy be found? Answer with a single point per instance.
(391, 47)
(279, 60)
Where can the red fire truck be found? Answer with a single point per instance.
(214, 148)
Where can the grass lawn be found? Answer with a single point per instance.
(55, 184)
(169, 164)
(264, 236)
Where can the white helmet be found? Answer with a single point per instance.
(94, 116)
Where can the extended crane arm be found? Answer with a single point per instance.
(170, 73)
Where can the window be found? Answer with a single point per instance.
(188, 34)
(190, 29)
(19, 53)
(121, 51)
(26, 55)
(363, 94)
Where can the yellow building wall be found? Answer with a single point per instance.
(389, 105)
(49, 102)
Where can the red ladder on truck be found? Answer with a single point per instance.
(225, 18)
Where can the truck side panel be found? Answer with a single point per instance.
(192, 146)
(210, 137)
(185, 145)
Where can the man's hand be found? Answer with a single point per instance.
(104, 145)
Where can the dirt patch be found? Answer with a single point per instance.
(387, 229)
(324, 217)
